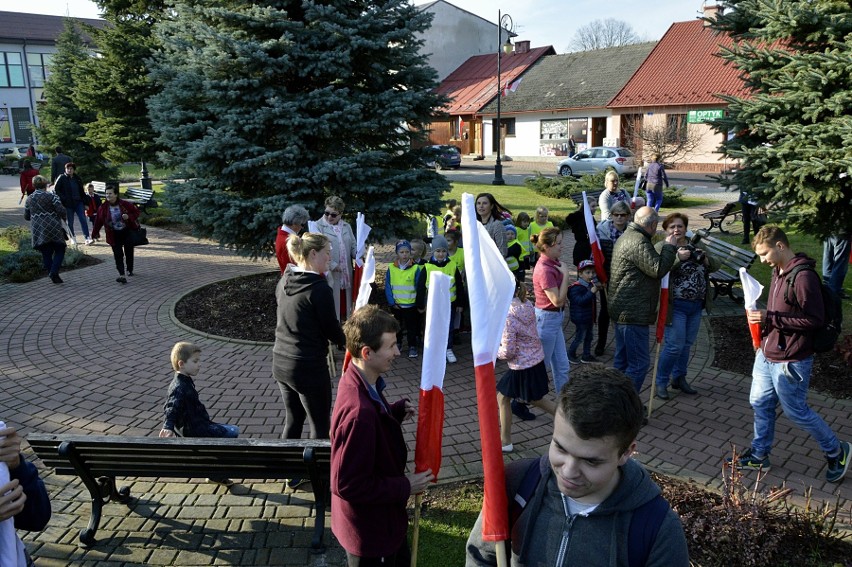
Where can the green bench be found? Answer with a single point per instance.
(732, 258)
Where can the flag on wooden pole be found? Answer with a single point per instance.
(365, 288)
(491, 286)
(597, 253)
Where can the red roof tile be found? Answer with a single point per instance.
(683, 69)
(474, 83)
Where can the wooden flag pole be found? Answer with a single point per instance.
(654, 381)
(415, 536)
(500, 550)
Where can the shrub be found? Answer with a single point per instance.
(673, 196)
(14, 234)
(159, 221)
(22, 266)
(73, 256)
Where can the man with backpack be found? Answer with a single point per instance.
(587, 502)
(794, 324)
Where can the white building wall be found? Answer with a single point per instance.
(21, 97)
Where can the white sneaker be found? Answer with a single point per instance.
(508, 448)
(89, 241)
(451, 356)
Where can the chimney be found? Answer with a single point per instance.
(522, 46)
(711, 11)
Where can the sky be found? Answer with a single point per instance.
(543, 22)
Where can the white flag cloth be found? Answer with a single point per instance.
(751, 289)
(367, 277)
(636, 185)
(312, 227)
(491, 286)
(438, 315)
(69, 236)
(362, 230)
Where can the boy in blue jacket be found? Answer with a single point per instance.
(582, 311)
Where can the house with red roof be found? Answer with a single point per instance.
(678, 86)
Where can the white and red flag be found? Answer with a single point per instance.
(664, 309)
(368, 276)
(597, 253)
(490, 288)
(430, 415)
(636, 188)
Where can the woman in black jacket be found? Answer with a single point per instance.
(306, 325)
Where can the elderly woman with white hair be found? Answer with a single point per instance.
(294, 218)
(612, 195)
(343, 251)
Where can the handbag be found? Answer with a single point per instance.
(138, 236)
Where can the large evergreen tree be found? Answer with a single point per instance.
(61, 119)
(267, 104)
(794, 135)
(115, 86)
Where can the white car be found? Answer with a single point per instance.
(599, 158)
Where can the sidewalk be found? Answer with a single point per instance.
(91, 356)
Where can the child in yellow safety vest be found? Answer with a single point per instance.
(540, 223)
(514, 251)
(441, 262)
(522, 225)
(402, 291)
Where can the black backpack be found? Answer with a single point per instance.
(826, 336)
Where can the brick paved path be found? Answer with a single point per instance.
(91, 356)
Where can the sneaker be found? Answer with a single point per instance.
(587, 359)
(522, 411)
(221, 481)
(508, 448)
(837, 466)
(89, 241)
(747, 460)
(451, 356)
(412, 352)
(294, 483)
(574, 359)
(121, 279)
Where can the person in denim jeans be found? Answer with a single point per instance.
(550, 286)
(782, 365)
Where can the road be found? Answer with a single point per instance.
(514, 173)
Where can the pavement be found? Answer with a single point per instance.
(92, 356)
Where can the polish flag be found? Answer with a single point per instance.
(368, 276)
(636, 188)
(430, 415)
(597, 253)
(490, 289)
(752, 290)
(664, 309)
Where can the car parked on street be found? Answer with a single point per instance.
(12, 152)
(442, 157)
(599, 158)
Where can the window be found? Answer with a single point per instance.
(676, 127)
(508, 126)
(39, 68)
(11, 69)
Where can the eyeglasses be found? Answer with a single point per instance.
(621, 214)
(331, 215)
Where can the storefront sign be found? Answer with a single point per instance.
(699, 116)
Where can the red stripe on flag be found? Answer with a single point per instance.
(495, 507)
(430, 431)
(597, 253)
(664, 308)
(356, 282)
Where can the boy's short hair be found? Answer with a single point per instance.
(365, 327)
(181, 353)
(453, 235)
(601, 402)
(770, 235)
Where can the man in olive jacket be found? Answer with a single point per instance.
(634, 291)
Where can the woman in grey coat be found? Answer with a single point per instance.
(45, 212)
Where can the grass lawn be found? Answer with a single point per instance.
(6, 248)
(449, 513)
(130, 172)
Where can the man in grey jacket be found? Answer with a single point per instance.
(589, 491)
(634, 291)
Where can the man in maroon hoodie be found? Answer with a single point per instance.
(782, 365)
(369, 487)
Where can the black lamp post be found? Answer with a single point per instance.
(505, 24)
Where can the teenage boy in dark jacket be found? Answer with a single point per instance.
(783, 363)
(369, 487)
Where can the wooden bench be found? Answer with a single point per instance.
(577, 197)
(732, 258)
(142, 198)
(717, 217)
(99, 459)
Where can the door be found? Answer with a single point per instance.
(598, 130)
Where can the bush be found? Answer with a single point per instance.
(22, 266)
(15, 234)
(73, 256)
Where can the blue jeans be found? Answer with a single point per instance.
(680, 336)
(835, 261)
(52, 254)
(549, 325)
(78, 210)
(655, 196)
(583, 335)
(632, 355)
(785, 382)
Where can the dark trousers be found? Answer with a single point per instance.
(122, 250)
(306, 390)
(409, 320)
(749, 221)
(52, 254)
(603, 323)
(402, 558)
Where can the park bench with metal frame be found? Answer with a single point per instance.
(142, 198)
(577, 197)
(99, 459)
(719, 218)
(732, 258)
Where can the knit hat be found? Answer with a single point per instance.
(439, 243)
(586, 264)
(403, 244)
(511, 227)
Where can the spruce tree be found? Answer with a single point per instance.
(793, 137)
(268, 104)
(115, 86)
(61, 119)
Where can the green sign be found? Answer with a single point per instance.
(698, 116)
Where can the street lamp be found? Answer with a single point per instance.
(507, 25)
